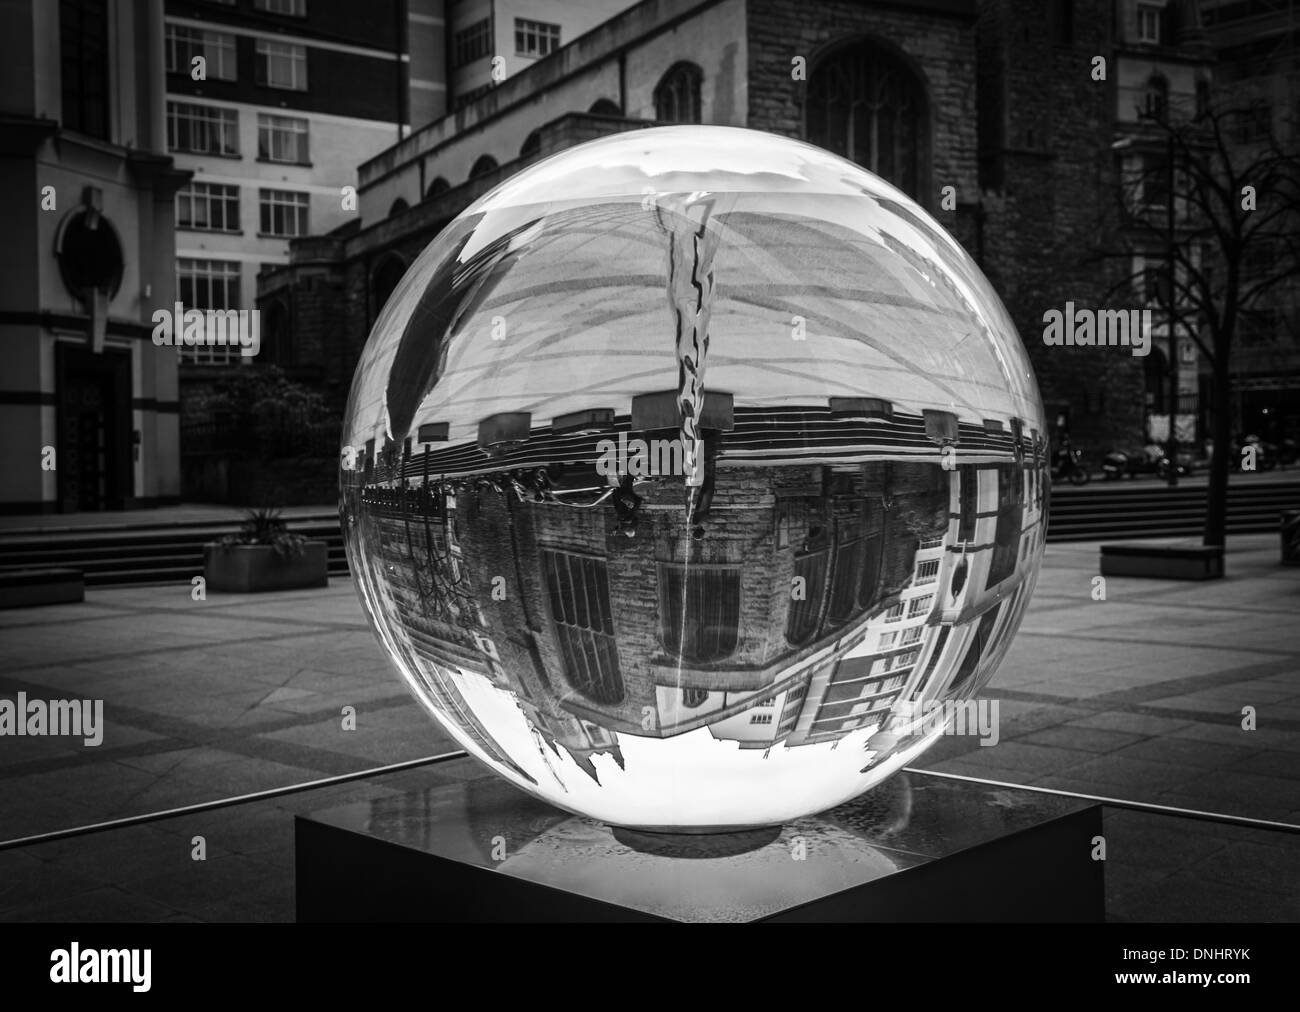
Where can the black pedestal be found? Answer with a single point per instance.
(918, 848)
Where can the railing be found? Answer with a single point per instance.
(271, 432)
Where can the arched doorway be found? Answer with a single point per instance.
(866, 104)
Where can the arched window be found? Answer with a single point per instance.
(1156, 98)
(484, 165)
(438, 187)
(677, 96)
(399, 205)
(866, 104)
(605, 107)
(693, 698)
(383, 279)
(532, 145)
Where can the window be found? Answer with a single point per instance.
(535, 38)
(437, 188)
(692, 698)
(887, 639)
(845, 581)
(805, 612)
(761, 718)
(290, 8)
(1155, 182)
(1150, 22)
(677, 96)
(282, 139)
(282, 213)
(208, 284)
(202, 129)
(208, 207)
(894, 613)
(864, 103)
(216, 48)
(699, 611)
(578, 593)
(968, 502)
(1155, 100)
(281, 65)
(911, 635)
(927, 571)
(83, 65)
(919, 605)
(472, 43)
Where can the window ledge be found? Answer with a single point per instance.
(274, 161)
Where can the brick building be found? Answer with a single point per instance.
(993, 98)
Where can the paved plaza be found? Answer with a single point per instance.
(1138, 697)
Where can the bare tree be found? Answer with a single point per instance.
(1217, 205)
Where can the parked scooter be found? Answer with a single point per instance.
(1067, 465)
(1150, 460)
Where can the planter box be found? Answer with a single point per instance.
(1163, 562)
(248, 569)
(24, 588)
(1291, 538)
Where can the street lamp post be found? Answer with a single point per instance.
(1172, 450)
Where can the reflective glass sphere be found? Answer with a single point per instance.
(691, 476)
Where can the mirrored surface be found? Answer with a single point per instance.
(689, 474)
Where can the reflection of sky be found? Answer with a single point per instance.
(723, 783)
(587, 316)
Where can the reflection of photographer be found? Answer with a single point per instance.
(626, 505)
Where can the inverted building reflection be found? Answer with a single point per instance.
(850, 557)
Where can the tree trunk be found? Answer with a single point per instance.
(1216, 502)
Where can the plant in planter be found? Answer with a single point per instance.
(265, 555)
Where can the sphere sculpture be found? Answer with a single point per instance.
(691, 477)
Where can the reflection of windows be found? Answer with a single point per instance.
(802, 623)
(928, 571)
(869, 589)
(290, 8)
(761, 718)
(845, 581)
(887, 639)
(894, 613)
(911, 635)
(919, 605)
(978, 647)
(699, 608)
(578, 592)
(968, 502)
(691, 698)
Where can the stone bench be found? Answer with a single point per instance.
(1163, 562)
(24, 588)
